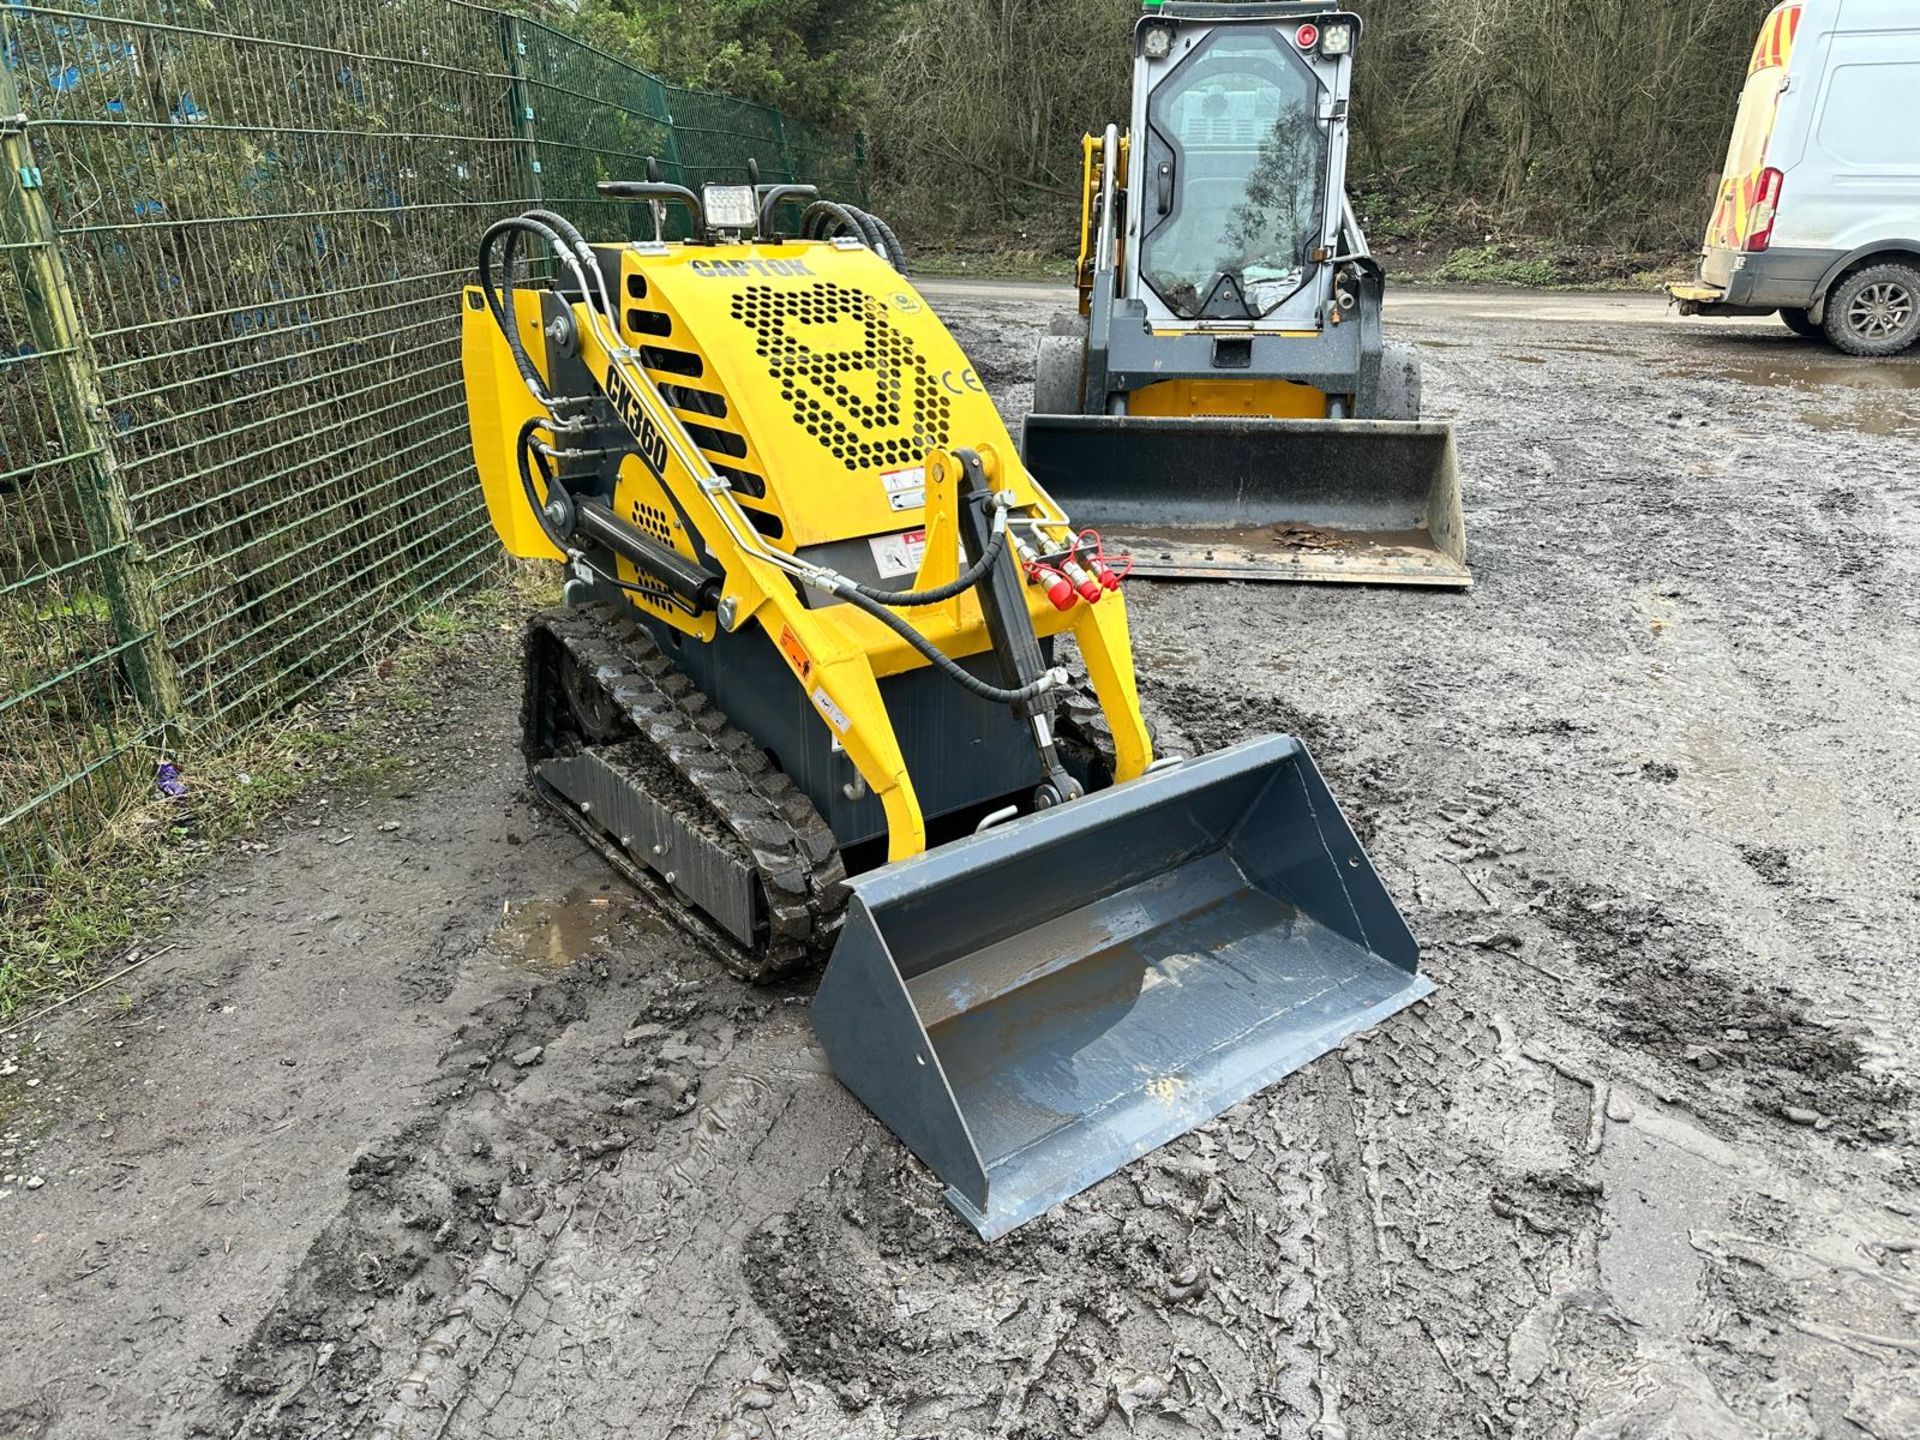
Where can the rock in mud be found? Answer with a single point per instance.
(518, 1205)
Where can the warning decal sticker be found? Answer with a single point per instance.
(796, 653)
(906, 489)
(897, 555)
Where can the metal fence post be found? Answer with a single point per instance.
(672, 157)
(786, 147)
(513, 40)
(74, 385)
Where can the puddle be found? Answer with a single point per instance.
(1868, 421)
(552, 934)
(1802, 371)
(1873, 397)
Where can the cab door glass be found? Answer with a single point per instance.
(1235, 184)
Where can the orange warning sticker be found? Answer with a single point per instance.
(796, 653)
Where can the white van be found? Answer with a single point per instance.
(1818, 215)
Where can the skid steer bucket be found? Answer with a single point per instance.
(1365, 501)
(1034, 1006)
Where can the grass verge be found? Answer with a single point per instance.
(61, 932)
(1534, 268)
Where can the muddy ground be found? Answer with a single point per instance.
(421, 1125)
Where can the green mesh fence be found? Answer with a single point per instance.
(233, 443)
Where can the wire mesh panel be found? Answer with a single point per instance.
(233, 442)
(820, 157)
(717, 135)
(589, 117)
(72, 728)
(265, 226)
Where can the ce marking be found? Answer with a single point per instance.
(967, 381)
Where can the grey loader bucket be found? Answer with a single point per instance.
(1365, 501)
(1034, 1006)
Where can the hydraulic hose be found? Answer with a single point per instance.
(500, 302)
(824, 219)
(523, 454)
(863, 222)
(589, 266)
(959, 585)
(945, 664)
(895, 253)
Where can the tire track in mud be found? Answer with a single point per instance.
(1451, 1241)
(1465, 1289)
(1417, 1221)
(1175, 1297)
(426, 1283)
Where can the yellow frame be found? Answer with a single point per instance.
(692, 300)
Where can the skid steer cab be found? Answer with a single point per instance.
(835, 675)
(1223, 400)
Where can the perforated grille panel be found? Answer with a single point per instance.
(693, 404)
(653, 520)
(855, 383)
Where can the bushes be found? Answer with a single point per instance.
(1585, 122)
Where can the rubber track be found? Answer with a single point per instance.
(1079, 721)
(726, 787)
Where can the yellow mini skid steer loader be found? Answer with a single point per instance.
(1223, 404)
(805, 691)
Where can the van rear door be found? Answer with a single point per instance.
(1748, 190)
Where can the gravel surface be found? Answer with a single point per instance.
(424, 1126)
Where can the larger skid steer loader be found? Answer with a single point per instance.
(807, 690)
(1222, 405)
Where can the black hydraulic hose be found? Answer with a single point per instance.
(863, 222)
(881, 236)
(966, 580)
(895, 250)
(947, 666)
(823, 217)
(500, 301)
(554, 221)
(567, 244)
(524, 452)
(583, 252)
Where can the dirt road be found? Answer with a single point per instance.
(423, 1126)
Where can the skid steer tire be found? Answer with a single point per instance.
(1059, 370)
(1398, 397)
